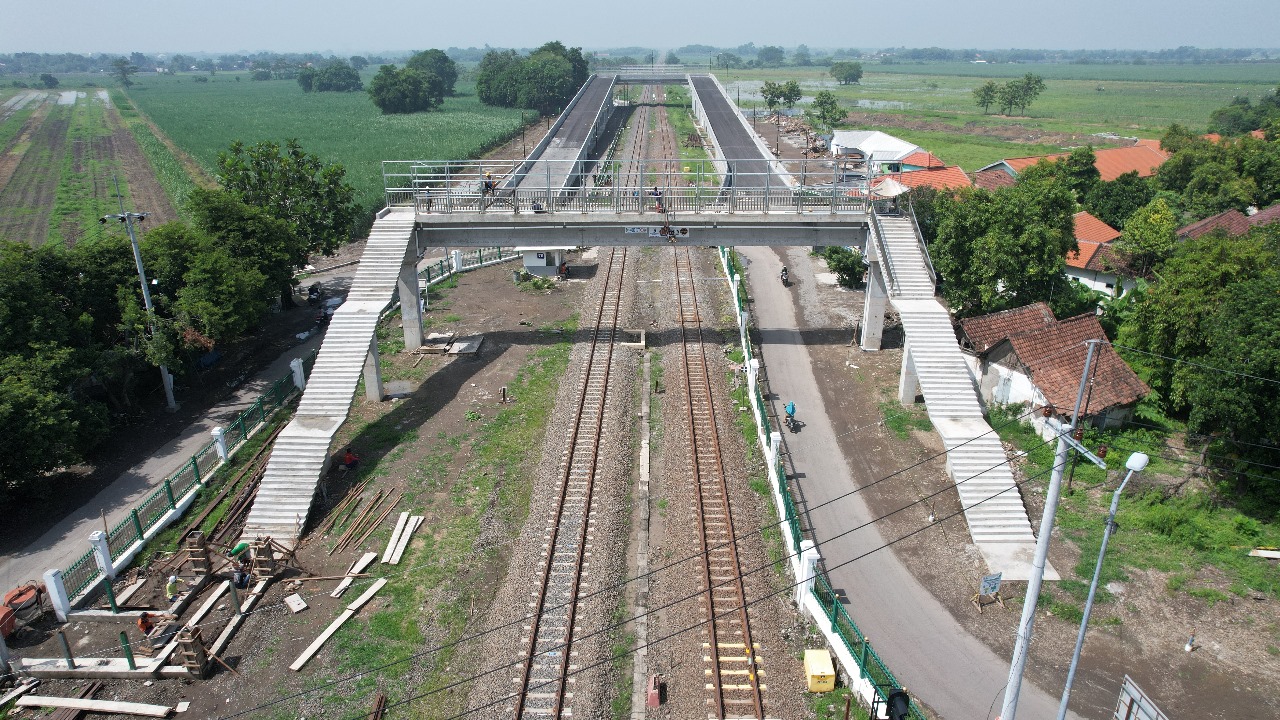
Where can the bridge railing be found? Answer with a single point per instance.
(676, 185)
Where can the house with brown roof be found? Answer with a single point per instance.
(1111, 163)
(1039, 363)
(1265, 217)
(1096, 264)
(1232, 222)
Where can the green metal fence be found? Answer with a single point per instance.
(81, 574)
(197, 470)
(869, 663)
(470, 259)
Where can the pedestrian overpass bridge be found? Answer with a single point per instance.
(562, 195)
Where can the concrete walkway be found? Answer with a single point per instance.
(69, 539)
(924, 646)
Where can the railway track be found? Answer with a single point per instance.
(734, 677)
(544, 681)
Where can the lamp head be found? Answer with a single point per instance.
(1137, 462)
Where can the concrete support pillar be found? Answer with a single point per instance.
(299, 375)
(102, 553)
(873, 309)
(410, 307)
(457, 261)
(908, 381)
(372, 373)
(57, 594)
(808, 570)
(220, 442)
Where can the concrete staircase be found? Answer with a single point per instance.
(301, 453)
(976, 460)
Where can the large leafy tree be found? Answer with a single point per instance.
(847, 72)
(790, 94)
(406, 90)
(1077, 171)
(211, 291)
(986, 95)
(1007, 248)
(1114, 202)
(498, 78)
(45, 360)
(310, 196)
(1173, 321)
(825, 111)
(338, 77)
(1149, 236)
(250, 234)
(122, 69)
(436, 62)
(546, 84)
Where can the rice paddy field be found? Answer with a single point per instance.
(1128, 100)
(205, 118)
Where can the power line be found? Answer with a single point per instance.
(1199, 365)
(653, 610)
(697, 625)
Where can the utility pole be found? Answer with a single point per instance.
(1026, 626)
(127, 218)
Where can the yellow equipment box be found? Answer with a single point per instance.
(818, 670)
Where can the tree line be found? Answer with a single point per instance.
(74, 337)
(545, 80)
(1009, 96)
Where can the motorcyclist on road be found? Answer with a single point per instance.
(790, 409)
(784, 275)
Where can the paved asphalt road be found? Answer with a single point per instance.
(917, 637)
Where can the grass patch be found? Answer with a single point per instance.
(434, 594)
(1180, 534)
(901, 420)
(700, 171)
(830, 706)
(1126, 99)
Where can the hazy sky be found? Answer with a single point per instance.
(372, 27)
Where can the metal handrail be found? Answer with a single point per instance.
(924, 249)
(876, 234)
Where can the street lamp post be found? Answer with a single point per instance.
(127, 218)
(1135, 464)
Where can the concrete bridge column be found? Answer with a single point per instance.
(873, 309)
(373, 373)
(410, 306)
(909, 381)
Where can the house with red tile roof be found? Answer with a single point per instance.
(921, 160)
(1232, 222)
(1040, 363)
(938, 178)
(1143, 159)
(978, 334)
(1265, 217)
(1096, 264)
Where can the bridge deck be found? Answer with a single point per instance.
(747, 162)
(553, 166)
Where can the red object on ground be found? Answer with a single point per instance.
(8, 620)
(23, 597)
